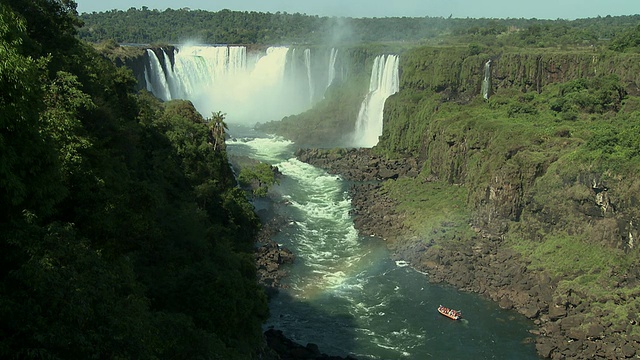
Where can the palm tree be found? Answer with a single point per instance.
(218, 129)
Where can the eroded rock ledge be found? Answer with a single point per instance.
(566, 330)
(358, 164)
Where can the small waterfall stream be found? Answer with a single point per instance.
(307, 64)
(486, 80)
(332, 66)
(157, 83)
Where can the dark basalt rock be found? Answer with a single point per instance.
(359, 164)
(270, 257)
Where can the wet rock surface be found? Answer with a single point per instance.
(270, 257)
(485, 265)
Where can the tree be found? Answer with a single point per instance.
(627, 41)
(260, 177)
(51, 28)
(26, 157)
(218, 130)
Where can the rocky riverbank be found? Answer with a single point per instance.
(567, 328)
(271, 257)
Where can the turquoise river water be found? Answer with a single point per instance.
(345, 294)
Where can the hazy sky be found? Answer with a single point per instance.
(541, 9)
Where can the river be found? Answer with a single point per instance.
(345, 294)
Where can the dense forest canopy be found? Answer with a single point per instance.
(145, 26)
(123, 233)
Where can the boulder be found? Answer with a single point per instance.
(557, 312)
(505, 303)
(531, 311)
(595, 331)
(629, 350)
(577, 333)
(545, 347)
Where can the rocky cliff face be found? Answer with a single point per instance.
(136, 58)
(458, 73)
(503, 176)
(554, 209)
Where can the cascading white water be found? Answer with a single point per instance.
(384, 83)
(294, 64)
(158, 78)
(307, 64)
(332, 66)
(220, 78)
(486, 81)
(197, 68)
(171, 80)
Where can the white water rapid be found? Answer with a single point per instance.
(384, 83)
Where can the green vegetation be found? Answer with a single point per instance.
(593, 271)
(148, 26)
(628, 40)
(123, 232)
(446, 216)
(260, 177)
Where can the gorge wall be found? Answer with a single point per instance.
(459, 71)
(547, 166)
(501, 162)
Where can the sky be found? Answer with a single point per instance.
(540, 9)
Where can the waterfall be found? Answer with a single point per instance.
(171, 81)
(384, 83)
(486, 81)
(219, 78)
(147, 81)
(158, 78)
(332, 66)
(307, 63)
(197, 68)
